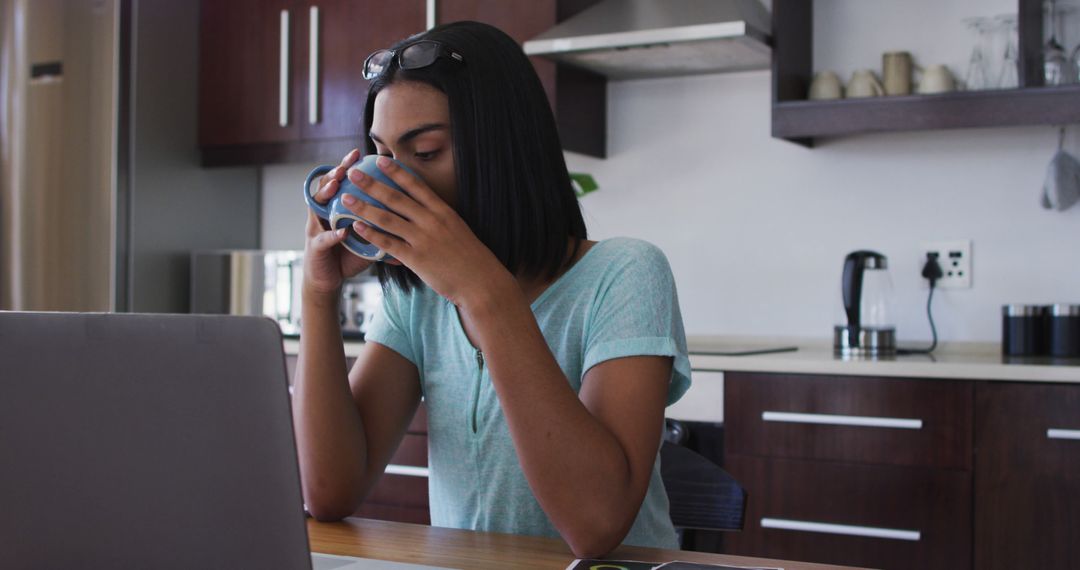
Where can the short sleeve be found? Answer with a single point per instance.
(636, 313)
(387, 326)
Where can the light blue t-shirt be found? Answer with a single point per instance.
(618, 300)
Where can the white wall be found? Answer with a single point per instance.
(756, 229)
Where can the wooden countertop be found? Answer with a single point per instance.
(453, 548)
(957, 361)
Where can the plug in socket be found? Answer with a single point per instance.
(955, 260)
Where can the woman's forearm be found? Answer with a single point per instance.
(576, 467)
(329, 434)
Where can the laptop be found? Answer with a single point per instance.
(149, 441)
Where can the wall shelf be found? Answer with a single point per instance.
(965, 109)
(799, 120)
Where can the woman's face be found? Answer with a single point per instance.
(411, 122)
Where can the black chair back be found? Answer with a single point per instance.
(701, 494)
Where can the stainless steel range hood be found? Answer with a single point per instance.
(652, 38)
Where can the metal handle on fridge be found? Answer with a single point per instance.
(837, 420)
(313, 67)
(283, 72)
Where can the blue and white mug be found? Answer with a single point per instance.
(339, 216)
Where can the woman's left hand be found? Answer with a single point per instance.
(429, 237)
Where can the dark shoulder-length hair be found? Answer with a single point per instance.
(513, 189)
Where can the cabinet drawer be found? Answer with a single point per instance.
(861, 515)
(841, 418)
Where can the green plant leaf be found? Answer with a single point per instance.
(583, 183)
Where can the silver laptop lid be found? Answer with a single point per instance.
(146, 441)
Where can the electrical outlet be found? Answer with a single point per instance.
(954, 257)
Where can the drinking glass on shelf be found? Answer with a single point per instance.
(1075, 60)
(1055, 59)
(977, 74)
(1009, 77)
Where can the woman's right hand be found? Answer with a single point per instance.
(327, 266)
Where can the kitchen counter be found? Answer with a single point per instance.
(961, 361)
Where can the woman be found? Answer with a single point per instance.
(544, 359)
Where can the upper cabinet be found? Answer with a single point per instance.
(802, 121)
(280, 80)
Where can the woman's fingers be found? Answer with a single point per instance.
(350, 158)
(385, 220)
(396, 201)
(330, 182)
(416, 188)
(395, 246)
(326, 241)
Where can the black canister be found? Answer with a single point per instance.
(1063, 330)
(1023, 330)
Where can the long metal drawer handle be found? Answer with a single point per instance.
(410, 470)
(283, 72)
(429, 14)
(850, 530)
(313, 67)
(1063, 433)
(829, 419)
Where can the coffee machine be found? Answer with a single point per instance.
(868, 329)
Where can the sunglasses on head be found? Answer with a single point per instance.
(413, 56)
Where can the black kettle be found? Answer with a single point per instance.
(866, 290)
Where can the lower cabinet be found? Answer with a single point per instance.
(401, 494)
(905, 473)
(852, 471)
(1027, 476)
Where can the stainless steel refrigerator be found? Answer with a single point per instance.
(102, 197)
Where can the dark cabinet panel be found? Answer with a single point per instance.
(1027, 478)
(927, 510)
(239, 72)
(348, 30)
(240, 76)
(761, 423)
(520, 20)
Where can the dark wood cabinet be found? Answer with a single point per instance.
(402, 492)
(925, 512)
(857, 471)
(240, 59)
(1027, 476)
(984, 475)
(577, 97)
(280, 80)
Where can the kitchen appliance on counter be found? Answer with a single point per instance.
(867, 293)
(268, 283)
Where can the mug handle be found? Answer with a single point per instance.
(876, 86)
(321, 210)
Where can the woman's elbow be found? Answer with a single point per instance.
(327, 512)
(595, 542)
(325, 506)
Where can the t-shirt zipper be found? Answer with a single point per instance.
(476, 391)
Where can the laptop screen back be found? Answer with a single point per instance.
(146, 441)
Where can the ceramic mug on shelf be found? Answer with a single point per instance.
(339, 216)
(936, 79)
(826, 85)
(864, 84)
(896, 72)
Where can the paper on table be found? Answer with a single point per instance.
(592, 564)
